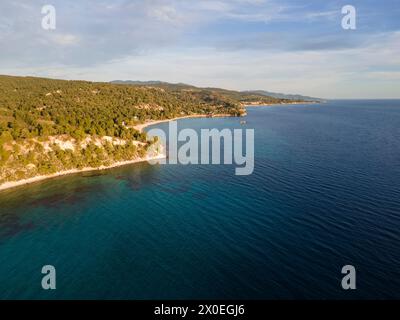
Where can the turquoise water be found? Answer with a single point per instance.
(325, 192)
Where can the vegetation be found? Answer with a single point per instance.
(207, 94)
(51, 125)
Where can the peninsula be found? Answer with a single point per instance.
(55, 127)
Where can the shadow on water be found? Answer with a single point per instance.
(74, 189)
(12, 224)
(20, 207)
(145, 175)
(70, 196)
(162, 177)
(137, 175)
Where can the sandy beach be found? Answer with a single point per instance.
(13, 184)
(279, 104)
(141, 126)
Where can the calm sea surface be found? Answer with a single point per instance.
(325, 193)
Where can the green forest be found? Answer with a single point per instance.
(35, 110)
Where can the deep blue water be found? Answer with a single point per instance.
(325, 192)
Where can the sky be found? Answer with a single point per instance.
(288, 46)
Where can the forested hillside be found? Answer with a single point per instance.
(40, 107)
(50, 125)
(241, 97)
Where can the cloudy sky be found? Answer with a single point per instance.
(286, 46)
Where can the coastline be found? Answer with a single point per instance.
(144, 125)
(13, 184)
(141, 126)
(280, 104)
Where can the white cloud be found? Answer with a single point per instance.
(342, 74)
(65, 39)
(164, 13)
(172, 40)
(384, 75)
(332, 14)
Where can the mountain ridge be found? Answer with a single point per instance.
(266, 93)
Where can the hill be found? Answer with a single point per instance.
(49, 126)
(241, 97)
(285, 96)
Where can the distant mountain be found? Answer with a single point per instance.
(154, 83)
(145, 83)
(284, 96)
(175, 86)
(209, 94)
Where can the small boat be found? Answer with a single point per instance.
(243, 122)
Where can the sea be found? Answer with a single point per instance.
(324, 194)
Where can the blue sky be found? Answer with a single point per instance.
(286, 46)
